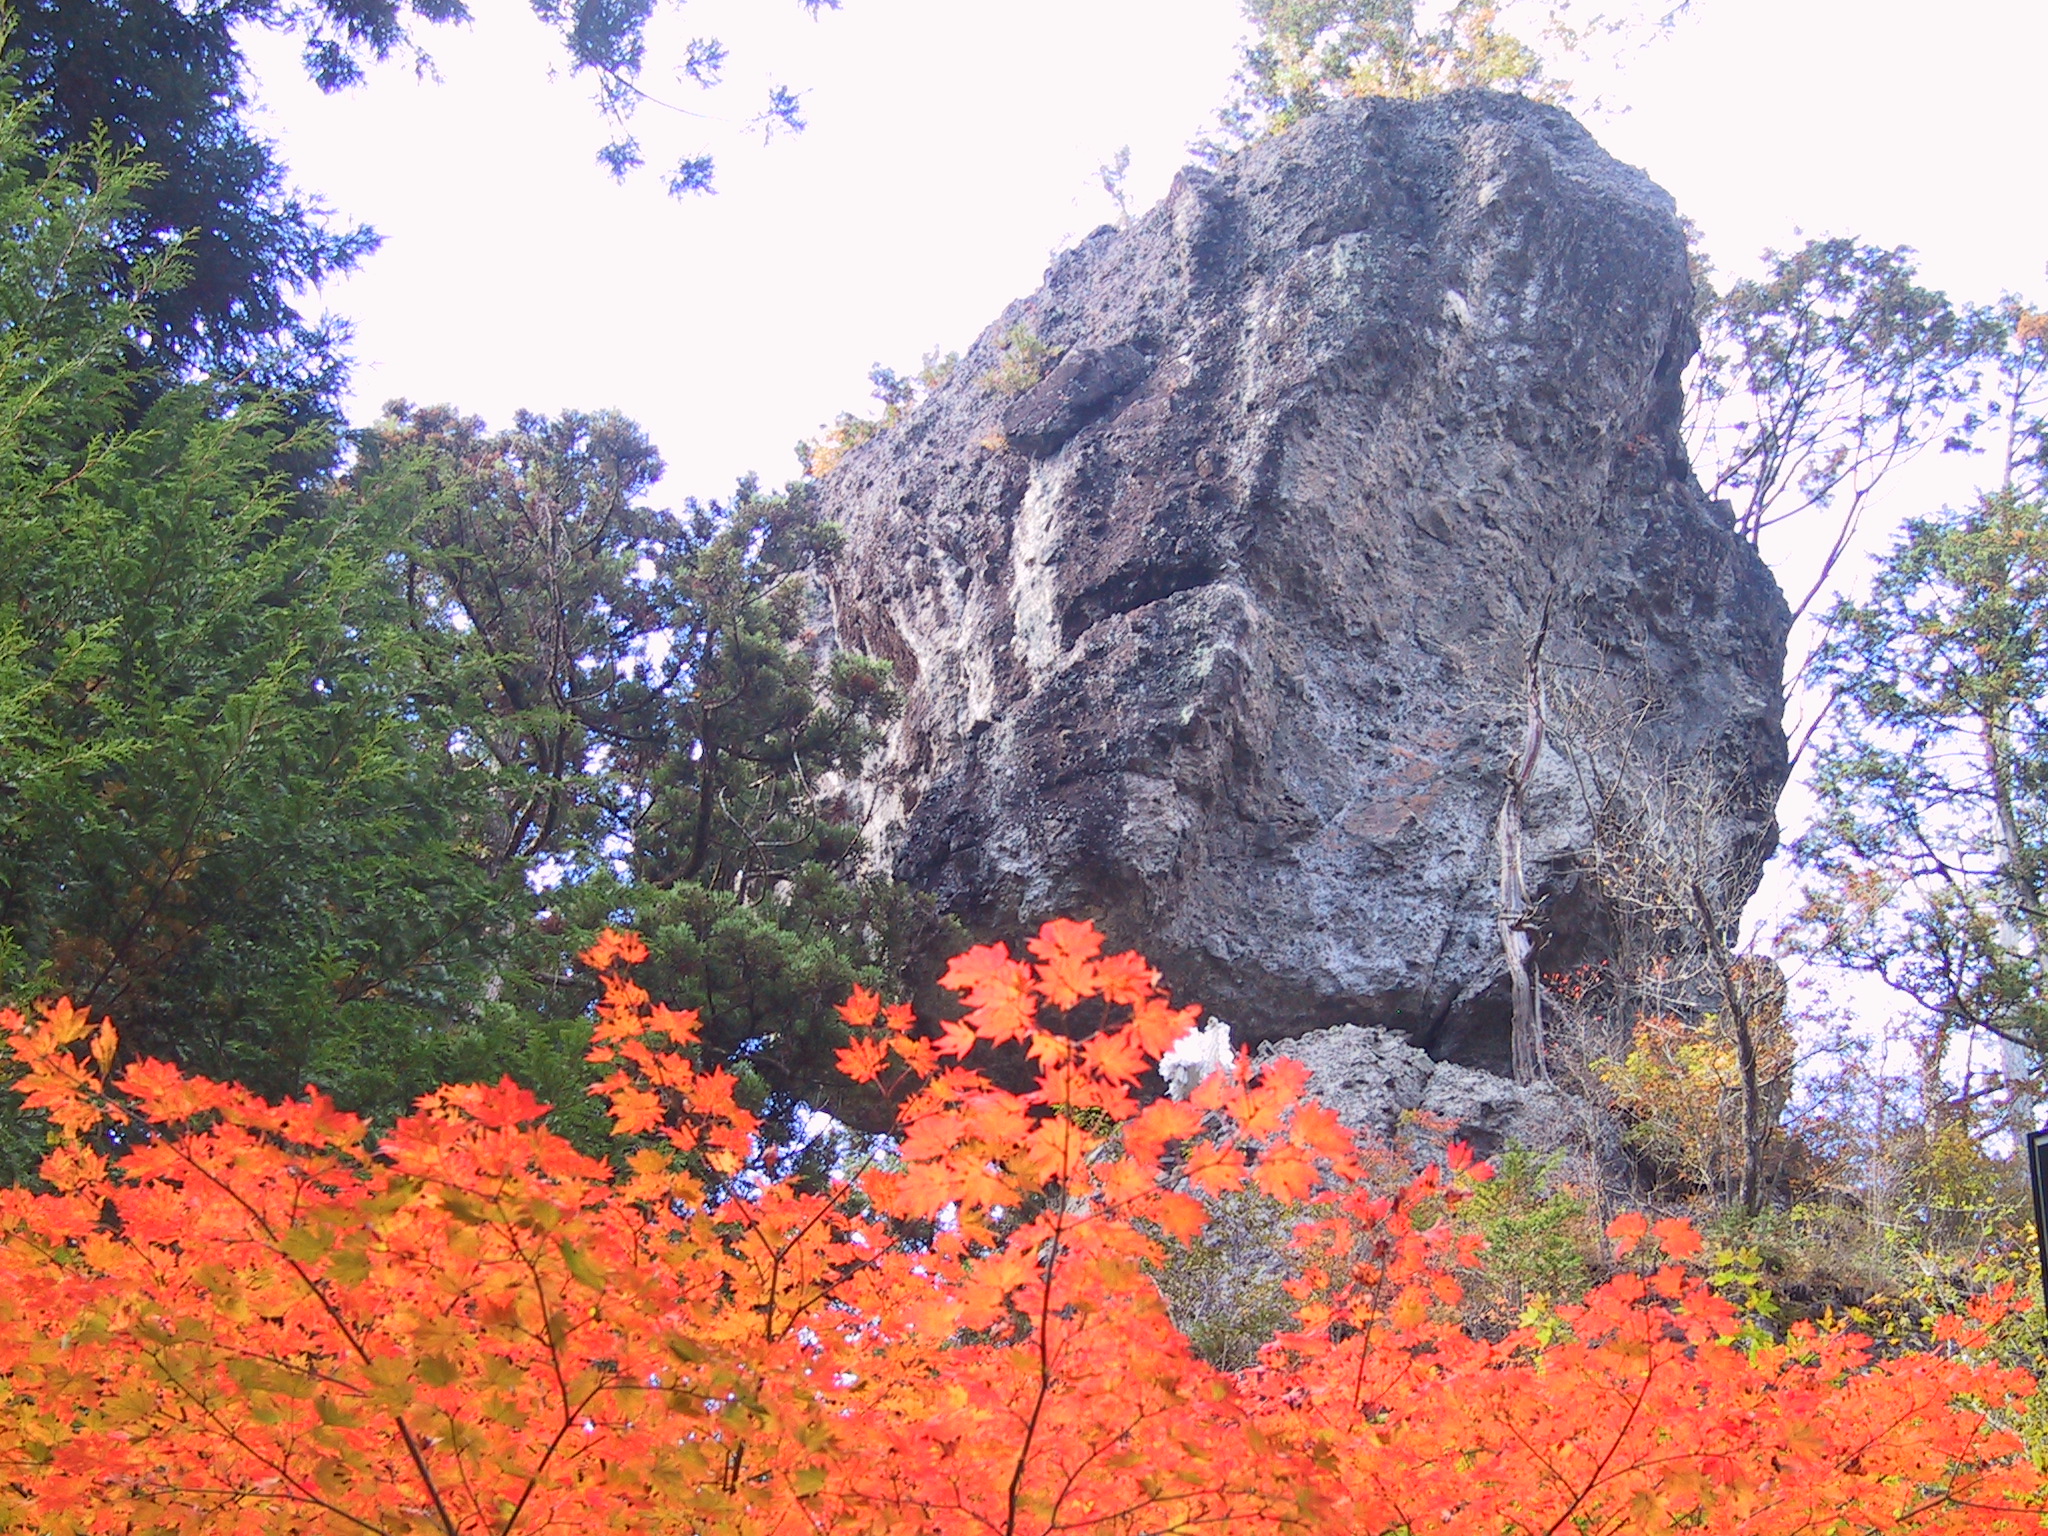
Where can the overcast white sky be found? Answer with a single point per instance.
(953, 147)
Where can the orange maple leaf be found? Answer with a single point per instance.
(1116, 1054)
(1163, 1120)
(1214, 1170)
(1314, 1127)
(485, 1327)
(863, 1060)
(502, 1105)
(860, 1008)
(614, 948)
(1125, 979)
(1181, 1217)
(1155, 1025)
(998, 991)
(921, 1057)
(1286, 1173)
(956, 1037)
(1066, 951)
(1676, 1237)
(1626, 1231)
(1049, 1050)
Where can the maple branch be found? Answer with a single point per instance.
(314, 1287)
(825, 1208)
(469, 1486)
(824, 1293)
(1910, 1412)
(802, 1506)
(1620, 1437)
(319, 1293)
(1098, 1519)
(1372, 1318)
(234, 1437)
(547, 1333)
(547, 1455)
(1052, 1259)
(1181, 1522)
(228, 1495)
(419, 1462)
(1534, 1451)
(1939, 1499)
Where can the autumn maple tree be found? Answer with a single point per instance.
(228, 1315)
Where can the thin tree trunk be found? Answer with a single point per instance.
(1750, 1193)
(1512, 919)
(2018, 875)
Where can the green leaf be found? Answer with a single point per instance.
(350, 1266)
(306, 1244)
(333, 1413)
(581, 1266)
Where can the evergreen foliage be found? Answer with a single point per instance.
(225, 811)
(289, 759)
(657, 743)
(164, 81)
(1932, 844)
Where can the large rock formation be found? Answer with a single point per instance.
(1217, 633)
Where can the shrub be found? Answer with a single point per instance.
(230, 1316)
(1681, 1087)
(1024, 362)
(897, 395)
(1538, 1237)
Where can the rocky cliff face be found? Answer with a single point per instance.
(1217, 633)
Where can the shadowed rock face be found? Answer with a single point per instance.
(1216, 634)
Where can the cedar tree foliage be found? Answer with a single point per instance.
(222, 810)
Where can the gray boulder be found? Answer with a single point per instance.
(1379, 1084)
(1216, 633)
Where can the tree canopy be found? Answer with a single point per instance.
(658, 742)
(1305, 53)
(323, 779)
(1932, 838)
(1818, 379)
(226, 812)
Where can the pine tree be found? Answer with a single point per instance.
(658, 744)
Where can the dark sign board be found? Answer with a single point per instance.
(2037, 1175)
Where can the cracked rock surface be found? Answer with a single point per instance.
(1216, 633)
(1375, 1080)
